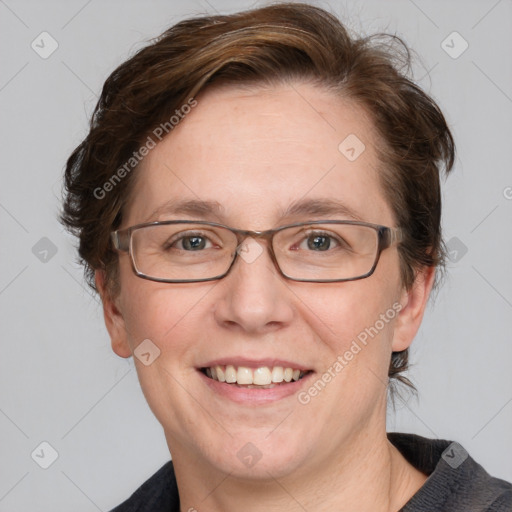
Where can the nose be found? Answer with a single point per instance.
(254, 297)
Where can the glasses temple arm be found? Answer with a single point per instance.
(392, 236)
(120, 240)
(396, 235)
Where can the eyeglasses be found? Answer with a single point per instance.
(188, 251)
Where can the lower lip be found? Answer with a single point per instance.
(255, 396)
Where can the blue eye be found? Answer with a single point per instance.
(192, 243)
(319, 242)
(189, 242)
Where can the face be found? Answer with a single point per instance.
(255, 153)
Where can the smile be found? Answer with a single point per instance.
(263, 377)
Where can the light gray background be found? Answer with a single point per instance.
(59, 380)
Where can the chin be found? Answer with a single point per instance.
(254, 458)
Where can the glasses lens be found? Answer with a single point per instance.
(183, 251)
(326, 251)
(309, 252)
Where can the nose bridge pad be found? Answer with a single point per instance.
(250, 248)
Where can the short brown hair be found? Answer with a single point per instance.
(270, 45)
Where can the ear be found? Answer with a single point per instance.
(414, 302)
(113, 318)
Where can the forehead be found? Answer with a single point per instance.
(259, 152)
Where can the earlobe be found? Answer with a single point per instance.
(414, 302)
(114, 320)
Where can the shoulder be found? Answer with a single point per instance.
(158, 493)
(456, 482)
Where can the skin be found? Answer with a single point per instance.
(255, 151)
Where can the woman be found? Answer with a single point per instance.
(258, 205)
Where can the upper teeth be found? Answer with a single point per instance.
(261, 376)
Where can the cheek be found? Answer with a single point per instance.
(353, 319)
(356, 329)
(174, 319)
(163, 313)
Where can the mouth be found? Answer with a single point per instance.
(262, 377)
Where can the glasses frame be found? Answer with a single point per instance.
(122, 241)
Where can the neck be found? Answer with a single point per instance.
(364, 477)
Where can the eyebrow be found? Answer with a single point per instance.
(191, 207)
(320, 207)
(302, 207)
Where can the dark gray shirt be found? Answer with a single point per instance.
(456, 483)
